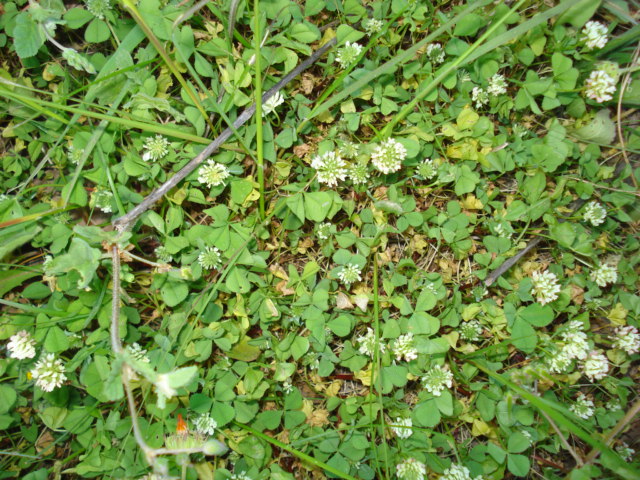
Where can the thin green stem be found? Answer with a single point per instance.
(258, 100)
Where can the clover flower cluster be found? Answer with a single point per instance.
(272, 103)
(545, 287)
(323, 231)
(330, 167)
(574, 346)
(205, 424)
(388, 156)
(594, 213)
(480, 96)
(348, 54)
(213, 173)
(497, 85)
(74, 155)
(625, 451)
(155, 148)
(372, 26)
(359, 173)
(98, 8)
(403, 347)
(595, 35)
(426, 169)
(349, 274)
(411, 469)
(367, 343)
(600, 86)
(596, 365)
(583, 407)
(402, 427)
(436, 379)
(137, 352)
(48, 372)
(604, 275)
(470, 331)
(458, 472)
(162, 254)
(101, 199)
(22, 345)
(435, 52)
(349, 150)
(627, 339)
(210, 258)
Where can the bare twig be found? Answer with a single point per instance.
(493, 276)
(126, 221)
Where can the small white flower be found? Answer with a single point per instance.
(558, 362)
(372, 26)
(349, 150)
(48, 372)
(594, 213)
(388, 156)
(205, 424)
(600, 86)
(411, 469)
(324, 231)
(287, 387)
(596, 365)
(400, 427)
(101, 199)
(155, 148)
(435, 52)
(627, 339)
(604, 274)
(330, 168)
(594, 34)
(348, 54)
(213, 173)
(497, 85)
(426, 169)
(613, 405)
(271, 103)
(162, 254)
(368, 343)
(349, 274)
(210, 258)
(436, 379)
(403, 347)
(359, 173)
(22, 345)
(480, 96)
(74, 154)
(458, 472)
(625, 451)
(583, 407)
(576, 346)
(240, 476)
(470, 331)
(545, 287)
(99, 8)
(137, 352)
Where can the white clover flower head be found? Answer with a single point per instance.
(163, 387)
(600, 86)
(627, 339)
(480, 96)
(497, 85)
(348, 54)
(435, 52)
(594, 213)
(625, 451)
(426, 169)
(576, 346)
(137, 352)
(330, 168)
(287, 387)
(470, 331)
(349, 150)
(458, 472)
(22, 345)
(595, 35)
(545, 287)
(213, 173)
(155, 148)
(359, 173)
(583, 407)
(74, 155)
(101, 199)
(613, 405)
(98, 8)
(272, 102)
(402, 427)
(388, 156)
(368, 343)
(372, 26)
(323, 231)
(604, 274)
(162, 254)
(596, 365)
(205, 424)
(349, 274)
(240, 476)
(403, 347)
(48, 372)
(411, 469)
(210, 258)
(436, 379)
(501, 231)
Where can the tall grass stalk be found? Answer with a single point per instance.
(258, 99)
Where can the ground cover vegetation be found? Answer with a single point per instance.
(319, 239)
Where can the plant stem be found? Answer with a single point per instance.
(258, 97)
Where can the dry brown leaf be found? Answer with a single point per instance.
(343, 302)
